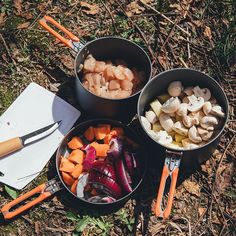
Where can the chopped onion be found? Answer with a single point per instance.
(89, 157)
(104, 184)
(116, 148)
(104, 168)
(121, 174)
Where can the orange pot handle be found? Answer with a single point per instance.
(72, 42)
(171, 168)
(45, 190)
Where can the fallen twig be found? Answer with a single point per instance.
(165, 17)
(112, 18)
(8, 51)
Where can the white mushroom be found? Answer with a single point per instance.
(217, 111)
(187, 144)
(198, 115)
(208, 122)
(179, 128)
(195, 104)
(205, 93)
(189, 121)
(146, 124)
(163, 137)
(166, 122)
(175, 88)
(194, 135)
(171, 105)
(213, 100)
(207, 107)
(188, 91)
(151, 116)
(205, 134)
(182, 111)
(185, 100)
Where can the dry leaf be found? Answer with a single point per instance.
(18, 6)
(162, 61)
(133, 9)
(23, 25)
(67, 61)
(90, 9)
(182, 7)
(201, 210)
(207, 32)
(2, 15)
(198, 23)
(192, 187)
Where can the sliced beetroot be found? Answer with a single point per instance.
(108, 199)
(104, 168)
(129, 163)
(122, 178)
(116, 148)
(89, 157)
(105, 184)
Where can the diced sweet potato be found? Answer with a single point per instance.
(69, 180)
(77, 171)
(89, 134)
(75, 143)
(76, 156)
(74, 186)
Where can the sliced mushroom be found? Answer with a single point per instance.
(151, 116)
(179, 128)
(188, 144)
(205, 134)
(198, 115)
(166, 122)
(171, 105)
(156, 126)
(146, 124)
(175, 88)
(182, 111)
(207, 107)
(164, 138)
(217, 111)
(175, 145)
(213, 100)
(205, 93)
(194, 135)
(208, 122)
(188, 91)
(185, 100)
(195, 103)
(189, 121)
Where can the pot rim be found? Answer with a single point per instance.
(88, 122)
(119, 38)
(185, 69)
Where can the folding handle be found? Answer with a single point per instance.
(10, 214)
(10, 146)
(67, 42)
(165, 174)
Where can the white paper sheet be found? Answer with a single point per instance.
(35, 108)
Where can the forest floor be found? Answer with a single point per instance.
(195, 34)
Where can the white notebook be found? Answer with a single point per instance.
(35, 108)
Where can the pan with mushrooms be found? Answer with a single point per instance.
(183, 112)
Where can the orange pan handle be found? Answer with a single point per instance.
(167, 211)
(43, 195)
(67, 42)
(165, 173)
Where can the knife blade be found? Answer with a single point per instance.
(17, 143)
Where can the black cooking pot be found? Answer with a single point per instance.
(157, 86)
(104, 48)
(47, 189)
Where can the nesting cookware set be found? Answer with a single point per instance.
(111, 48)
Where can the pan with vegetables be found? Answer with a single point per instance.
(184, 113)
(110, 72)
(100, 163)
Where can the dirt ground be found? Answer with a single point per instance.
(196, 34)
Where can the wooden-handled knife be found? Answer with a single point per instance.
(18, 143)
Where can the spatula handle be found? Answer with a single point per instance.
(10, 146)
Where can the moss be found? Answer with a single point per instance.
(6, 98)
